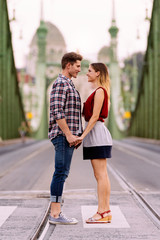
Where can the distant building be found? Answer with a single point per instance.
(55, 49)
(104, 55)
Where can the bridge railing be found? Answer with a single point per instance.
(11, 109)
(146, 117)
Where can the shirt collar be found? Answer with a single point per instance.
(67, 79)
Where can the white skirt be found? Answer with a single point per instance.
(98, 142)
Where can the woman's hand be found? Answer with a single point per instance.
(78, 142)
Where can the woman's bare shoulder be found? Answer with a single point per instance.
(100, 91)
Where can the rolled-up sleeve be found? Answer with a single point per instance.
(57, 101)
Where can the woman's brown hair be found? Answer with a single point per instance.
(103, 78)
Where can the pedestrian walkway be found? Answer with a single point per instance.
(20, 217)
(14, 144)
(22, 212)
(12, 141)
(129, 220)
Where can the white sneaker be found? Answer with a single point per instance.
(62, 220)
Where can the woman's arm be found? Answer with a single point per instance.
(98, 103)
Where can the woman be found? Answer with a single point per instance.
(97, 141)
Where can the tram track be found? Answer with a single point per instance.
(151, 212)
(45, 229)
(41, 228)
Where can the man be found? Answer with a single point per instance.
(64, 127)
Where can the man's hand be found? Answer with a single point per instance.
(65, 129)
(71, 139)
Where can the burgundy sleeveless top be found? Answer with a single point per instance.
(88, 107)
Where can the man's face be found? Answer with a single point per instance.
(74, 69)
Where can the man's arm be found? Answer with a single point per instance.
(65, 129)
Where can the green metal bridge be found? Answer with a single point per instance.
(144, 115)
(145, 118)
(145, 121)
(11, 108)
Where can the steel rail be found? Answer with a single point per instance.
(154, 216)
(41, 225)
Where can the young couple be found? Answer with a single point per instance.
(65, 132)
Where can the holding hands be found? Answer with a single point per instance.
(75, 141)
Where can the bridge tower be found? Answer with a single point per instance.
(41, 85)
(113, 30)
(115, 122)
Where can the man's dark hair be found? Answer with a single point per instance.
(70, 57)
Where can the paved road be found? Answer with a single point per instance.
(29, 168)
(140, 166)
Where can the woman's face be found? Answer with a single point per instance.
(92, 74)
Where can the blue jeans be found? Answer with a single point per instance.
(63, 156)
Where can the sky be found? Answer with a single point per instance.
(84, 24)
